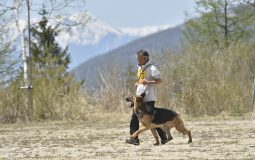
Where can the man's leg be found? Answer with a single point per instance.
(134, 126)
(161, 133)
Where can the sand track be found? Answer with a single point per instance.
(232, 139)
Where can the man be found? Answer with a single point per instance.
(148, 77)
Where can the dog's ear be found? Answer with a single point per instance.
(143, 95)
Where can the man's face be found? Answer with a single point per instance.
(141, 59)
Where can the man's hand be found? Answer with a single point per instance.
(147, 82)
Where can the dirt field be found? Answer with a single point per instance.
(233, 139)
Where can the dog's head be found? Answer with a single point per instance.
(139, 101)
(130, 102)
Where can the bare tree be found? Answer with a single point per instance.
(55, 10)
(250, 2)
(8, 62)
(221, 21)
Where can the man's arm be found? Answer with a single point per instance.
(156, 81)
(156, 76)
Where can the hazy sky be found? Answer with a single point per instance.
(138, 13)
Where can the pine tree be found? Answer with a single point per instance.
(46, 52)
(52, 84)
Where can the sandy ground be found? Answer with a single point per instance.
(232, 139)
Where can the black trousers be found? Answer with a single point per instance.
(134, 123)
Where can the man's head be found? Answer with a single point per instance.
(142, 57)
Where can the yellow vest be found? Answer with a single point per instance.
(141, 75)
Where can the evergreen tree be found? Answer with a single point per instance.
(46, 52)
(52, 84)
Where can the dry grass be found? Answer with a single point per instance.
(199, 81)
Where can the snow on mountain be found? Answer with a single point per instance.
(143, 31)
(96, 30)
(94, 38)
(98, 37)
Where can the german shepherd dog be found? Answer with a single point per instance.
(162, 118)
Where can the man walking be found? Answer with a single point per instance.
(148, 77)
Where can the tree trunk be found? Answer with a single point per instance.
(25, 73)
(29, 89)
(26, 113)
(253, 97)
(226, 29)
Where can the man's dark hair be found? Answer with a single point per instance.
(142, 52)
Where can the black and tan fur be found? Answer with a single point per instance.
(147, 121)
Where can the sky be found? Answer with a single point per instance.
(133, 13)
(139, 13)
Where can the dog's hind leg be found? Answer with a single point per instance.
(153, 131)
(179, 125)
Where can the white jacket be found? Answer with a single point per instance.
(148, 72)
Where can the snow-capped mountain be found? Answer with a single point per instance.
(123, 56)
(93, 38)
(98, 37)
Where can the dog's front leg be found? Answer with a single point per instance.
(139, 132)
(154, 133)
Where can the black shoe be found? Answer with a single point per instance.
(133, 141)
(164, 141)
(156, 144)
